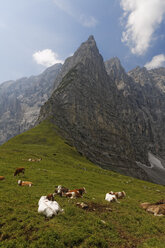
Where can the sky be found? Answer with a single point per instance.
(35, 34)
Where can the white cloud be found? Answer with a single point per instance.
(157, 61)
(143, 17)
(84, 20)
(46, 58)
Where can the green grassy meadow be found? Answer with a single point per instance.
(127, 225)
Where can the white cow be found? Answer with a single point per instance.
(111, 198)
(48, 208)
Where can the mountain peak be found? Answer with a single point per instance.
(87, 51)
(114, 68)
(91, 40)
(87, 48)
(114, 63)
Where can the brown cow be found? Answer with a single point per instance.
(19, 170)
(2, 178)
(24, 183)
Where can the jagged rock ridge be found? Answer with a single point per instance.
(20, 101)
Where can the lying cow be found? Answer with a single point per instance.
(60, 190)
(19, 170)
(75, 193)
(119, 195)
(24, 183)
(156, 209)
(34, 159)
(48, 208)
(111, 198)
(2, 178)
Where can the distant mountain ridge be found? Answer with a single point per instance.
(20, 101)
(111, 117)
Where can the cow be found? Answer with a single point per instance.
(2, 177)
(24, 183)
(60, 190)
(154, 208)
(34, 159)
(111, 198)
(119, 195)
(75, 193)
(19, 170)
(48, 207)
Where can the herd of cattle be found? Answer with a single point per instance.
(49, 207)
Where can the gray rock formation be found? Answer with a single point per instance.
(20, 101)
(152, 84)
(102, 121)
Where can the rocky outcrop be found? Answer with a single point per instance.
(20, 101)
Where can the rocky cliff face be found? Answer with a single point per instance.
(102, 111)
(20, 101)
(152, 84)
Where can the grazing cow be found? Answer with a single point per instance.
(24, 183)
(111, 198)
(2, 178)
(19, 170)
(119, 195)
(48, 208)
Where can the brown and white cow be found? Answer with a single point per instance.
(2, 177)
(25, 183)
(119, 195)
(76, 193)
(19, 170)
(111, 197)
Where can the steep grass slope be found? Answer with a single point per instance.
(127, 225)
